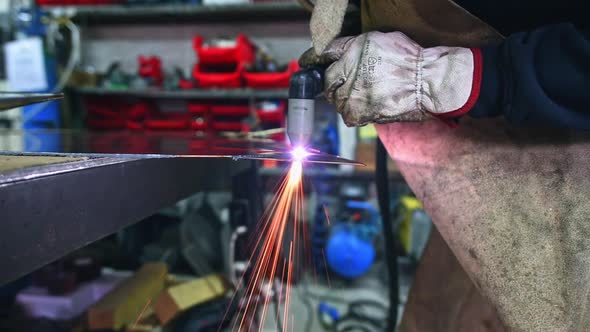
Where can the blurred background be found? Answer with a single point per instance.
(145, 76)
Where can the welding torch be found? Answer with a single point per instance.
(305, 85)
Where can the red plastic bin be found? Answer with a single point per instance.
(151, 68)
(199, 125)
(230, 126)
(271, 80)
(206, 78)
(166, 124)
(170, 121)
(243, 52)
(197, 108)
(102, 124)
(105, 114)
(230, 110)
(138, 111)
(186, 84)
(118, 142)
(134, 125)
(276, 115)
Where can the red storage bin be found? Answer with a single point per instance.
(242, 52)
(185, 84)
(230, 126)
(280, 137)
(199, 125)
(200, 113)
(134, 125)
(151, 68)
(230, 110)
(48, 2)
(167, 121)
(105, 114)
(215, 76)
(168, 124)
(138, 111)
(199, 145)
(275, 116)
(101, 111)
(271, 80)
(105, 124)
(197, 108)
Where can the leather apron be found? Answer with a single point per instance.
(511, 204)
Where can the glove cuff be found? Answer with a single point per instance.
(475, 88)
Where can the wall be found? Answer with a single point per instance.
(101, 45)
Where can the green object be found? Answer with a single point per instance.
(408, 204)
(117, 86)
(367, 132)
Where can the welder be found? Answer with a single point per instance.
(507, 199)
(535, 77)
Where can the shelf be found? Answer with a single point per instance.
(188, 94)
(135, 14)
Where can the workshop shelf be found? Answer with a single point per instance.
(246, 93)
(137, 14)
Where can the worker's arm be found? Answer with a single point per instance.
(540, 77)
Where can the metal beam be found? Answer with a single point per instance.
(48, 211)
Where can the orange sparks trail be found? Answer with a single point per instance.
(284, 215)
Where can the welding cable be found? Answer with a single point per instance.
(363, 313)
(382, 182)
(353, 324)
(356, 328)
(371, 311)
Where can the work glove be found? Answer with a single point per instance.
(387, 77)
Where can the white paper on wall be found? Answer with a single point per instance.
(25, 66)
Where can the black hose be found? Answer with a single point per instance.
(382, 182)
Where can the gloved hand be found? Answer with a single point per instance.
(387, 77)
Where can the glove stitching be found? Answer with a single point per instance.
(419, 76)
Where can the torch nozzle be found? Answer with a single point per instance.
(304, 86)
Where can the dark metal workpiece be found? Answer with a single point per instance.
(106, 182)
(9, 100)
(48, 211)
(315, 158)
(148, 145)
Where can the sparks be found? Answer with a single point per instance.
(284, 211)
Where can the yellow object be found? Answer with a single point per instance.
(408, 204)
(367, 132)
(179, 298)
(129, 300)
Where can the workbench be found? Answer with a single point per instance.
(51, 205)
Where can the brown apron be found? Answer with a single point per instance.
(511, 204)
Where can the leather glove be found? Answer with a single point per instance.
(387, 77)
